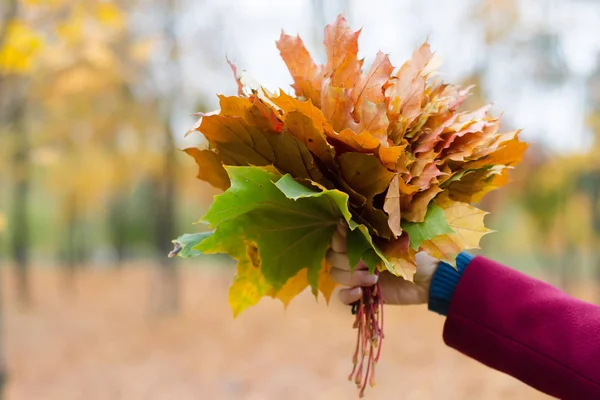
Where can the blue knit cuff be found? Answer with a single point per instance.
(444, 283)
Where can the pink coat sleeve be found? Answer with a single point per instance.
(527, 329)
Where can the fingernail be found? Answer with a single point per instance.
(373, 278)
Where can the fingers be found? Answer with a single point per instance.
(342, 228)
(341, 261)
(426, 266)
(358, 277)
(341, 270)
(338, 260)
(349, 296)
(423, 258)
(338, 242)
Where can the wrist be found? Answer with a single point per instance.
(444, 282)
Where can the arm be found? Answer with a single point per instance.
(500, 317)
(520, 326)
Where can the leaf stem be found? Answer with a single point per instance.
(369, 325)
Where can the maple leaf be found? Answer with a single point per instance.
(326, 283)
(304, 129)
(184, 244)
(233, 106)
(398, 191)
(249, 284)
(283, 219)
(238, 81)
(364, 173)
(337, 107)
(474, 184)
(393, 207)
(467, 224)
(509, 154)
(367, 177)
(364, 142)
(373, 118)
(360, 244)
(306, 74)
(419, 204)
(341, 46)
(434, 225)
(406, 91)
(370, 86)
(241, 143)
(399, 253)
(210, 167)
(288, 104)
(293, 287)
(394, 157)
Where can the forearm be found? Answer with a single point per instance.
(521, 326)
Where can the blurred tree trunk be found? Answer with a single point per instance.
(74, 246)
(167, 286)
(117, 210)
(18, 214)
(70, 243)
(82, 251)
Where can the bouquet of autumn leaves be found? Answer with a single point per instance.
(387, 152)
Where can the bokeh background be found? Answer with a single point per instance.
(95, 99)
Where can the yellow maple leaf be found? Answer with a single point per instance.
(287, 104)
(297, 284)
(509, 154)
(249, 284)
(326, 284)
(293, 287)
(402, 256)
(468, 225)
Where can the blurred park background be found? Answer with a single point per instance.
(95, 99)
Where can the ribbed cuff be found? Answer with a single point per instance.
(444, 283)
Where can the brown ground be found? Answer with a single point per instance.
(102, 344)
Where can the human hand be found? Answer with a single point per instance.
(394, 289)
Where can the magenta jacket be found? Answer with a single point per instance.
(521, 326)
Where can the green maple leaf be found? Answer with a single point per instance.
(359, 243)
(184, 244)
(360, 246)
(290, 224)
(435, 224)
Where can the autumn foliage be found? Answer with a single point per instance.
(389, 151)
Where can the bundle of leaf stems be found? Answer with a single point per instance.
(369, 326)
